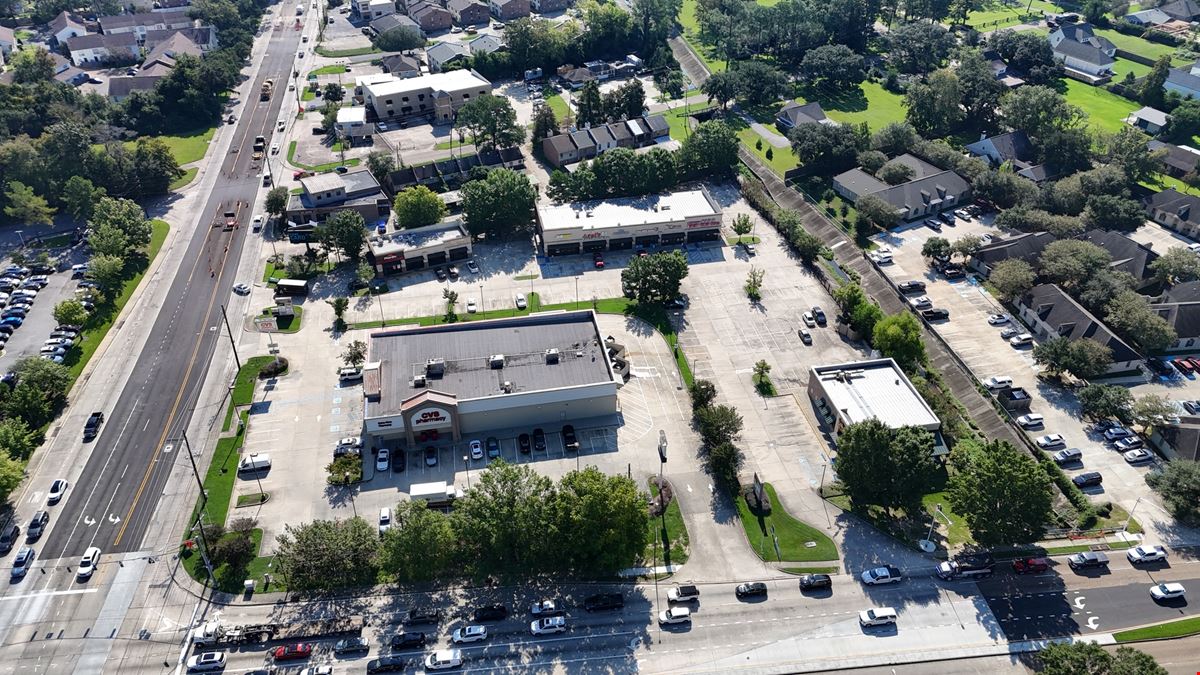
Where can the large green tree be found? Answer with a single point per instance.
(1105, 401)
(1176, 265)
(1178, 484)
(1070, 263)
(492, 121)
(605, 519)
(418, 206)
(1005, 497)
(899, 337)
(711, 149)
(1085, 359)
(344, 232)
(327, 554)
(505, 520)
(883, 466)
(1130, 315)
(420, 545)
(654, 278)
(499, 205)
(934, 105)
(124, 215)
(26, 207)
(1089, 658)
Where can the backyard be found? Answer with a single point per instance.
(1106, 111)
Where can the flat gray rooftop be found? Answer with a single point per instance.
(467, 348)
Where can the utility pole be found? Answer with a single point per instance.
(231, 342)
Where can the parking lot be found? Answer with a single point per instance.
(29, 338)
(987, 354)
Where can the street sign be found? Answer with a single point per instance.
(759, 493)
(266, 324)
(662, 446)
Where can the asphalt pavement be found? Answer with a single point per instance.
(114, 498)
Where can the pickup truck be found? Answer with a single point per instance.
(882, 575)
(260, 144)
(229, 219)
(1087, 559)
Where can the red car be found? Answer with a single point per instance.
(300, 650)
(598, 260)
(1195, 363)
(1030, 565)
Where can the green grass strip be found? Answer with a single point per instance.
(1170, 629)
(793, 534)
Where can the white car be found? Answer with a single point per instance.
(476, 450)
(472, 267)
(242, 289)
(997, 319)
(471, 306)
(382, 460)
(59, 342)
(1031, 421)
(521, 304)
(675, 615)
(809, 320)
(921, 302)
(1022, 340)
(351, 442)
(205, 662)
(548, 626)
(385, 519)
(88, 563)
(57, 489)
(1117, 433)
(881, 257)
(274, 148)
(257, 222)
(542, 607)
(1142, 554)
(1137, 456)
(469, 634)
(877, 616)
(881, 575)
(1166, 591)
(1126, 444)
(998, 382)
(443, 659)
(1050, 441)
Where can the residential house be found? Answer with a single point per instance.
(1149, 120)
(485, 44)
(165, 53)
(1014, 149)
(468, 12)
(431, 18)
(144, 22)
(1184, 81)
(930, 191)
(559, 150)
(604, 139)
(378, 8)
(1050, 312)
(453, 170)
(327, 193)
(435, 97)
(1079, 49)
(794, 114)
(1182, 10)
(508, 10)
(104, 49)
(390, 22)
(120, 87)
(567, 148)
(1027, 246)
(1176, 211)
(1148, 17)
(8, 42)
(445, 53)
(1178, 160)
(1127, 255)
(549, 6)
(401, 65)
(621, 133)
(585, 147)
(1179, 306)
(658, 126)
(66, 26)
(575, 78)
(204, 38)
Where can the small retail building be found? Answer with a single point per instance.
(848, 393)
(436, 97)
(543, 369)
(618, 224)
(420, 247)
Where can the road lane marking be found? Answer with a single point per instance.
(40, 594)
(113, 452)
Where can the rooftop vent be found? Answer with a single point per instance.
(435, 367)
(496, 361)
(551, 356)
(507, 387)
(418, 381)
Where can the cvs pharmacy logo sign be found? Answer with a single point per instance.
(428, 417)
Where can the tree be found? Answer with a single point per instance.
(849, 297)
(895, 173)
(492, 121)
(966, 246)
(1185, 122)
(334, 92)
(545, 124)
(718, 424)
(1105, 401)
(981, 90)
(399, 39)
(499, 205)
(277, 201)
(626, 101)
(601, 519)
(124, 215)
(833, 67)
(1005, 189)
(108, 240)
(12, 472)
(884, 466)
(418, 206)
(919, 47)
(1130, 315)
(895, 138)
(154, 166)
(702, 394)
(345, 231)
(742, 225)
(28, 405)
(339, 305)
(70, 313)
(654, 278)
(1178, 484)
(874, 210)
(1071, 263)
(1127, 149)
(1004, 496)
(1151, 410)
(1152, 87)
(826, 149)
(108, 271)
(758, 82)
(25, 207)
(1105, 285)
(871, 161)
(934, 105)
(31, 65)
(79, 197)
(1176, 265)
(355, 353)
(754, 283)
(1039, 111)
(327, 554)
(1027, 53)
(16, 440)
(670, 83)
(420, 545)
(724, 462)
(503, 521)
(51, 380)
(1080, 658)
(721, 88)
(936, 248)
(711, 149)
(762, 376)
(589, 107)
(899, 337)
(864, 317)
(1084, 358)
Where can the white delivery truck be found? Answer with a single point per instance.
(435, 494)
(253, 463)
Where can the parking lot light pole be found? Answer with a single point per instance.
(468, 469)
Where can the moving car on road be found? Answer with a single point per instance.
(203, 663)
(491, 613)
(604, 601)
(388, 664)
(57, 489)
(877, 616)
(684, 593)
(292, 652)
(443, 659)
(1167, 591)
(1030, 565)
(750, 590)
(882, 575)
(88, 563)
(546, 608)
(354, 645)
(407, 640)
(92, 426)
(22, 562)
(467, 634)
(675, 615)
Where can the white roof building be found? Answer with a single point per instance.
(614, 224)
(435, 96)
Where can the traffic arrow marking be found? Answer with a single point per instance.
(1079, 602)
(89, 521)
(113, 518)
(1093, 622)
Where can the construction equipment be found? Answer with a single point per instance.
(268, 86)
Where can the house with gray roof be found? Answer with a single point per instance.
(930, 191)
(559, 150)
(585, 147)
(98, 49)
(66, 26)
(1184, 81)
(327, 193)
(1026, 246)
(468, 12)
(1050, 312)
(1127, 255)
(603, 139)
(401, 65)
(549, 6)
(1001, 71)
(794, 114)
(1181, 10)
(122, 86)
(1178, 160)
(1176, 211)
(144, 22)
(8, 42)
(1078, 48)
(1149, 120)
(1014, 149)
(485, 44)
(1183, 315)
(1148, 17)
(430, 17)
(390, 22)
(444, 53)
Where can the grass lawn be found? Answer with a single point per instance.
(1123, 66)
(287, 324)
(671, 534)
(691, 33)
(57, 241)
(677, 119)
(243, 386)
(1139, 46)
(870, 103)
(560, 107)
(327, 70)
(308, 95)
(1106, 111)
(1170, 629)
(319, 168)
(341, 53)
(912, 529)
(957, 533)
(97, 325)
(1080, 548)
(186, 179)
(1162, 181)
(792, 534)
(782, 159)
(455, 143)
(187, 147)
(810, 570)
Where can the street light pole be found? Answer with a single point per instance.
(21, 234)
(1130, 518)
(468, 469)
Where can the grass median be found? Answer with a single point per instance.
(317, 168)
(798, 541)
(1171, 629)
(668, 543)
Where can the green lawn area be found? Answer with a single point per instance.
(97, 325)
(341, 53)
(957, 533)
(782, 159)
(870, 103)
(1139, 46)
(793, 535)
(691, 33)
(677, 119)
(308, 94)
(326, 70)
(455, 143)
(1162, 182)
(187, 147)
(995, 15)
(1170, 629)
(671, 534)
(911, 530)
(287, 324)
(1123, 66)
(243, 386)
(186, 179)
(319, 168)
(1106, 111)
(559, 107)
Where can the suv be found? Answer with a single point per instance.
(811, 582)
(570, 441)
(407, 640)
(491, 613)
(818, 315)
(423, 615)
(92, 426)
(683, 593)
(9, 536)
(604, 601)
(1087, 559)
(1089, 479)
(37, 526)
(352, 645)
(750, 590)
(387, 664)
(935, 314)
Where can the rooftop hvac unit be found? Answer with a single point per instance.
(507, 387)
(496, 361)
(435, 367)
(551, 355)
(418, 381)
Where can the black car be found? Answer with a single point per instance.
(570, 441)
(523, 443)
(92, 426)
(1087, 559)
(911, 286)
(947, 217)
(398, 461)
(69, 326)
(41, 268)
(19, 313)
(604, 601)
(1089, 479)
(819, 315)
(423, 615)
(6, 329)
(491, 613)
(37, 525)
(812, 582)
(388, 664)
(440, 273)
(354, 645)
(539, 439)
(750, 590)
(9, 536)
(408, 640)
(935, 314)
(953, 272)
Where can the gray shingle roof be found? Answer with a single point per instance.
(1071, 320)
(795, 114)
(1127, 254)
(1183, 77)
(860, 182)
(1184, 317)
(392, 22)
(1084, 52)
(1178, 158)
(1027, 246)
(1187, 207)
(1184, 10)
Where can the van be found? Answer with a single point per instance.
(253, 463)
(349, 374)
